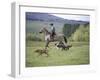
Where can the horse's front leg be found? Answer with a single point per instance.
(47, 43)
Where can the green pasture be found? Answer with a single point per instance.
(78, 54)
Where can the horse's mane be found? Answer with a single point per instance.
(47, 30)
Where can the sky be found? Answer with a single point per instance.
(74, 17)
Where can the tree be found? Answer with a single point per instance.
(81, 34)
(69, 29)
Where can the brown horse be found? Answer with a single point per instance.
(48, 38)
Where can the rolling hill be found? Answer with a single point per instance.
(35, 21)
(48, 17)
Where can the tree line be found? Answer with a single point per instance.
(76, 32)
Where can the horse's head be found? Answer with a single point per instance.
(41, 30)
(44, 30)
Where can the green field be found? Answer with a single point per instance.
(78, 54)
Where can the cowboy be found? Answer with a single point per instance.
(52, 31)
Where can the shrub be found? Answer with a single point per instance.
(81, 34)
(32, 37)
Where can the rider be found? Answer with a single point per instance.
(52, 31)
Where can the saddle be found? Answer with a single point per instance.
(52, 36)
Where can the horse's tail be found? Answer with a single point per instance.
(65, 39)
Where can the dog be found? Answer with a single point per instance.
(63, 46)
(42, 51)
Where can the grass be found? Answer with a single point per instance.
(76, 55)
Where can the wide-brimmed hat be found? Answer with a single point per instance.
(51, 24)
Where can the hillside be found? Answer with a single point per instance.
(48, 17)
(35, 21)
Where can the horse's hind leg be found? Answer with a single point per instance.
(65, 39)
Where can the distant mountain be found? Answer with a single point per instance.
(47, 17)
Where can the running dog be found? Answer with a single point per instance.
(42, 51)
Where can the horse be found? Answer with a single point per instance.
(48, 38)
